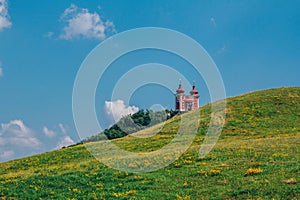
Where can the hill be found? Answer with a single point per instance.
(257, 157)
(132, 123)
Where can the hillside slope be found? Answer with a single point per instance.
(257, 156)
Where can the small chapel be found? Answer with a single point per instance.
(185, 103)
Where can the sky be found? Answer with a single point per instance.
(255, 45)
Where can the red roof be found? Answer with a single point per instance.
(194, 90)
(180, 90)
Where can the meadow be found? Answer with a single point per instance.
(256, 157)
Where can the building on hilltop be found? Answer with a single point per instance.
(184, 103)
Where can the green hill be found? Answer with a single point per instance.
(257, 157)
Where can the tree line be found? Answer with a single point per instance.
(133, 123)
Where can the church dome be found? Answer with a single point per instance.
(180, 90)
(194, 90)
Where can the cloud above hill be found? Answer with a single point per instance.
(17, 139)
(6, 154)
(80, 23)
(16, 133)
(4, 17)
(59, 134)
(64, 142)
(115, 110)
(49, 133)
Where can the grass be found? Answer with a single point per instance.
(256, 157)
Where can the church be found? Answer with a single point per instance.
(185, 103)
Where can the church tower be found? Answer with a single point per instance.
(180, 97)
(195, 96)
(186, 103)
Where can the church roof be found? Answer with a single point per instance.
(194, 90)
(180, 90)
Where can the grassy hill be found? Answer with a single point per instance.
(257, 157)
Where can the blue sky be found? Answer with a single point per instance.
(255, 45)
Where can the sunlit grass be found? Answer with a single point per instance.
(256, 157)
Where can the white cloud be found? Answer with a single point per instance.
(49, 133)
(213, 22)
(16, 133)
(4, 17)
(17, 140)
(115, 110)
(49, 34)
(63, 129)
(7, 154)
(30, 142)
(2, 141)
(81, 23)
(64, 142)
(61, 139)
(16, 127)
